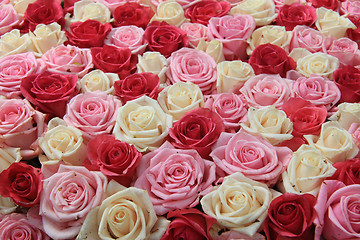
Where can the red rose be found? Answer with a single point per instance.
(329, 4)
(198, 129)
(296, 14)
(69, 5)
(49, 92)
(132, 13)
(291, 216)
(114, 60)
(22, 183)
(90, 33)
(271, 59)
(354, 34)
(348, 81)
(165, 38)
(188, 224)
(115, 159)
(347, 172)
(202, 11)
(137, 85)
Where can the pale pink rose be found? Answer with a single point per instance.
(310, 39)
(230, 107)
(68, 60)
(350, 7)
(232, 31)
(354, 129)
(112, 4)
(318, 90)
(20, 126)
(18, 226)
(93, 113)
(8, 17)
(127, 37)
(174, 178)
(346, 50)
(69, 193)
(15, 67)
(266, 89)
(191, 65)
(195, 32)
(251, 155)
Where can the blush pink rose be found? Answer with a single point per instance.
(93, 113)
(8, 17)
(310, 39)
(354, 129)
(195, 32)
(350, 7)
(68, 60)
(251, 155)
(346, 50)
(69, 193)
(174, 178)
(191, 65)
(127, 37)
(15, 67)
(232, 31)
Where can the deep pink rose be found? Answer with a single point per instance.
(310, 39)
(203, 11)
(354, 34)
(113, 4)
(346, 50)
(296, 14)
(347, 172)
(329, 4)
(8, 18)
(132, 13)
(348, 81)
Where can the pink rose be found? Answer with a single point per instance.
(8, 17)
(346, 50)
(15, 67)
(230, 107)
(280, 3)
(251, 155)
(68, 60)
(93, 113)
(174, 178)
(265, 89)
(127, 37)
(354, 129)
(191, 65)
(310, 39)
(350, 7)
(232, 31)
(69, 193)
(195, 32)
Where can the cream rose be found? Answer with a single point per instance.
(87, 9)
(347, 114)
(269, 122)
(7, 205)
(239, 204)
(307, 169)
(143, 123)
(153, 62)
(171, 12)
(330, 23)
(334, 142)
(8, 155)
(21, 6)
(231, 75)
(13, 42)
(263, 11)
(97, 80)
(214, 48)
(180, 98)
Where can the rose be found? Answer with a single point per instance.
(8, 19)
(350, 7)
(143, 123)
(355, 132)
(20, 6)
(347, 114)
(7, 205)
(198, 129)
(153, 62)
(112, 5)
(354, 34)
(8, 155)
(132, 14)
(239, 204)
(214, 48)
(296, 14)
(345, 50)
(230, 235)
(93, 113)
(87, 9)
(348, 81)
(310, 39)
(347, 171)
(189, 223)
(14, 43)
(307, 169)
(329, 4)
(68, 195)
(195, 32)
(291, 216)
(97, 80)
(69, 5)
(203, 11)
(170, 12)
(230, 107)
(263, 90)
(196, 67)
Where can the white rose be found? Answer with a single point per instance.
(334, 142)
(269, 122)
(143, 123)
(239, 204)
(330, 23)
(307, 169)
(347, 114)
(13, 43)
(63, 143)
(263, 11)
(180, 98)
(97, 80)
(8, 155)
(171, 12)
(214, 48)
(231, 75)
(87, 9)
(153, 62)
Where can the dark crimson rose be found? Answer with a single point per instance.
(347, 172)
(137, 85)
(198, 129)
(348, 81)
(296, 14)
(165, 38)
(114, 60)
(291, 216)
(271, 59)
(202, 11)
(132, 13)
(22, 183)
(115, 159)
(49, 92)
(354, 34)
(329, 4)
(90, 33)
(188, 224)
